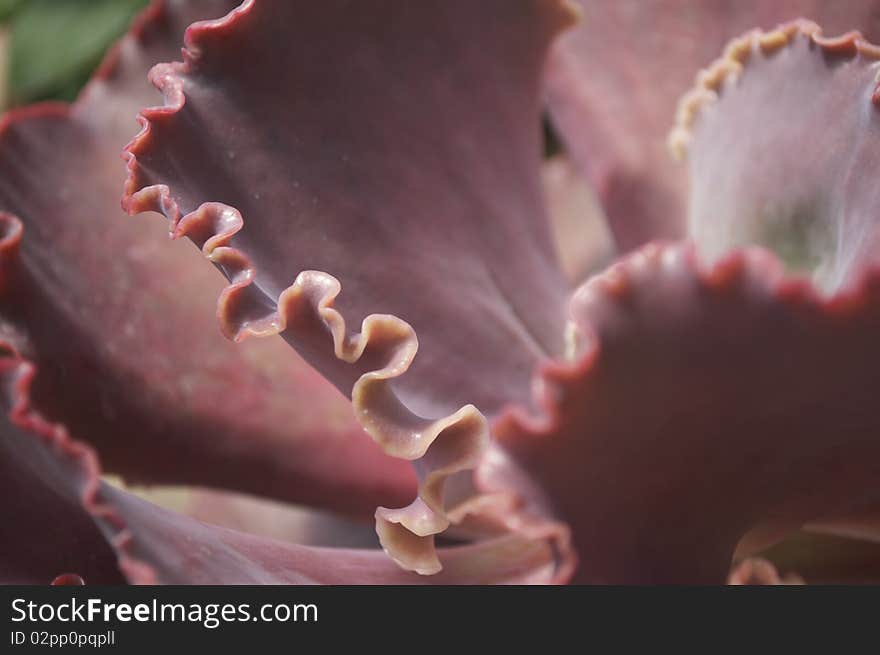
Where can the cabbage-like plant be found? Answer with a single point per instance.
(368, 177)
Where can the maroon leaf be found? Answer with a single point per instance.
(121, 322)
(56, 503)
(407, 175)
(783, 142)
(706, 404)
(172, 549)
(45, 532)
(614, 81)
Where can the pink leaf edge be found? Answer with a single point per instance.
(154, 546)
(623, 434)
(443, 449)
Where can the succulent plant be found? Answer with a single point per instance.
(645, 382)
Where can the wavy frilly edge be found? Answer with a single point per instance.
(506, 501)
(734, 61)
(160, 549)
(441, 448)
(202, 396)
(524, 434)
(501, 561)
(17, 374)
(386, 345)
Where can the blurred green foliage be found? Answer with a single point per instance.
(56, 44)
(7, 7)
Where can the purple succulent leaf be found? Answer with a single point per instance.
(319, 178)
(45, 532)
(411, 151)
(174, 549)
(705, 403)
(263, 517)
(121, 322)
(782, 136)
(54, 490)
(613, 85)
(680, 420)
(675, 362)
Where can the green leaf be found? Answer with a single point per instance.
(7, 7)
(56, 44)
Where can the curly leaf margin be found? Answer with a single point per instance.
(440, 448)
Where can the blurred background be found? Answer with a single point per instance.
(49, 48)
